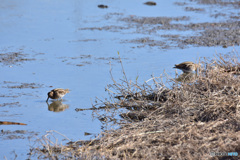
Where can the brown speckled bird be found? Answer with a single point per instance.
(187, 67)
(57, 93)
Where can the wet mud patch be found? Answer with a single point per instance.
(218, 5)
(204, 34)
(140, 23)
(112, 28)
(14, 94)
(215, 34)
(21, 85)
(14, 58)
(203, 40)
(154, 20)
(17, 134)
(147, 41)
(194, 9)
(18, 89)
(223, 33)
(8, 96)
(235, 4)
(12, 104)
(84, 60)
(84, 40)
(180, 3)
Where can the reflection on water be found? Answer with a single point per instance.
(57, 106)
(186, 77)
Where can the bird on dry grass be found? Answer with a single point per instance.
(187, 67)
(57, 93)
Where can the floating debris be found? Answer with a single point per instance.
(151, 3)
(102, 6)
(11, 123)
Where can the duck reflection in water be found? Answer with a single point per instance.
(57, 106)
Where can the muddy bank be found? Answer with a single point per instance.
(17, 134)
(223, 34)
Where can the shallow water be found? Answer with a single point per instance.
(65, 48)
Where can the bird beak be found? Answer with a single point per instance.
(47, 99)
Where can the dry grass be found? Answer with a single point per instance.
(187, 120)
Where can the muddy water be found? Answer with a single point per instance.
(69, 44)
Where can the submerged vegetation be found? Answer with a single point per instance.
(194, 117)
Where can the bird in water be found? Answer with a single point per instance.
(187, 67)
(57, 93)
